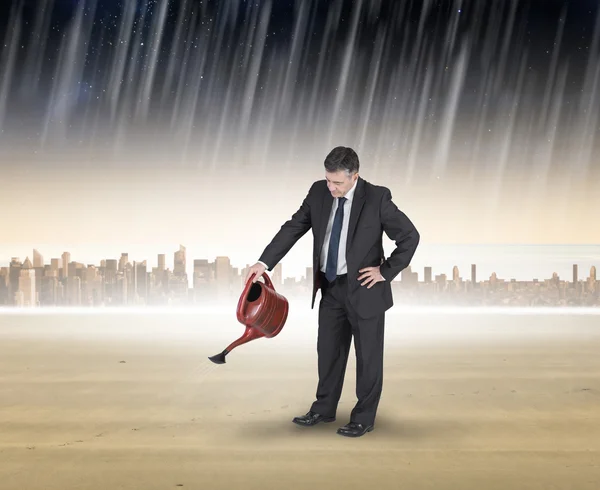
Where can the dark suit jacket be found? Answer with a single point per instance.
(372, 213)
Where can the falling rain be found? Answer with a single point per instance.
(419, 89)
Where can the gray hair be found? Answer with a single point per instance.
(342, 158)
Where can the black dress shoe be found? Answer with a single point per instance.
(311, 418)
(352, 429)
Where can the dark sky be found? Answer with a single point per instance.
(423, 78)
(540, 16)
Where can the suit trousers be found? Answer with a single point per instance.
(338, 323)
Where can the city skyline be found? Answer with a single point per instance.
(188, 264)
(121, 282)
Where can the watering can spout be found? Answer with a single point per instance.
(219, 358)
(249, 334)
(262, 310)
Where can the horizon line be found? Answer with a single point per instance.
(402, 309)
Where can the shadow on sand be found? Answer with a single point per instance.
(387, 427)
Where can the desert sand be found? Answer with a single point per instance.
(130, 401)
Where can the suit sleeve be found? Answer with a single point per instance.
(290, 232)
(403, 232)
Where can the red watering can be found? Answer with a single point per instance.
(262, 310)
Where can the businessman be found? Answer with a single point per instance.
(347, 215)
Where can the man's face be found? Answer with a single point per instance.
(339, 183)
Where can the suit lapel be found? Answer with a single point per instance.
(327, 203)
(357, 204)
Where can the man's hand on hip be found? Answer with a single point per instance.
(372, 276)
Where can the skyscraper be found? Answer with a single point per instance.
(26, 287)
(123, 261)
(38, 260)
(223, 276)
(427, 274)
(66, 259)
(179, 262)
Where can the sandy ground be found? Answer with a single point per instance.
(131, 402)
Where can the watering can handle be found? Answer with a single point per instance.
(241, 310)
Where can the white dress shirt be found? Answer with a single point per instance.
(342, 267)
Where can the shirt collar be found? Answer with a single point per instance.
(350, 194)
